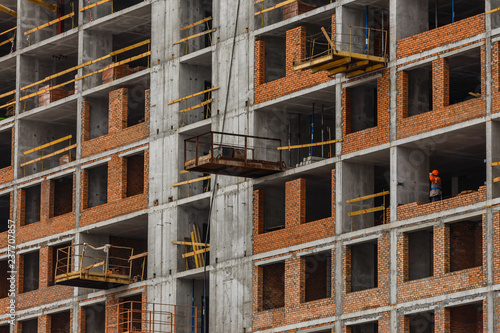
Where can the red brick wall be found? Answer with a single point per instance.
(296, 8)
(60, 322)
(118, 204)
(296, 231)
(465, 245)
(495, 69)
(440, 36)
(119, 134)
(294, 80)
(442, 114)
(371, 136)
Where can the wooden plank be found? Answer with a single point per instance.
(6, 31)
(366, 70)
(48, 144)
(195, 253)
(197, 106)
(368, 197)
(49, 155)
(193, 95)
(201, 258)
(190, 243)
(62, 18)
(93, 266)
(358, 64)
(310, 144)
(281, 4)
(366, 211)
(195, 23)
(8, 11)
(329, 65)
(137, 256)
(53, 8)
(195, 35)
(314, 62)
(328, 38)
(94, 4)
(337, 70)
(191, 181)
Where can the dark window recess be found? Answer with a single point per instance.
(318, 199)
(274, 207)
(364, 266)
(273, 293)
(466, 318)
(420, 247)
(31, 271)
(419, 90)
(466, 245)
(63, 195)
(135, 175)
(421, 322)
(4, 212)
(5, 149)
(365, 328)
(4, 283)
(275, 58)
(363, 107)
(32, 204)
(60, 322)
(97, 185)
(29, 326)
(318, 276)
(465, 76)
(136, 112)
(95, 318)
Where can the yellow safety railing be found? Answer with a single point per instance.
(197, 106)
(369, 210)
(88, 63)
(42, 147)
(7, 10)
(186, 28)
(48, 24)
(497, 179)
(94, 5)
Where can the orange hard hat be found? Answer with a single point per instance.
(435, 172)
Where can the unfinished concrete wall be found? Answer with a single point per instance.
(364, 266)
(419, 90)
(97, 185)
(413, 18)
(364, 185)
(96, 45)
(31, 272)
(413, 174)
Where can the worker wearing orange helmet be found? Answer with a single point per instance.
(435, 192)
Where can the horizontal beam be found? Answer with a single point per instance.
(380, 194)
(197, 106)
(50, 155)
(44, 4)
(196, 35)
(495, 164)
(137, 256)
(310, 144)
(281, 4)
(366, 70)
(7, 41)
(195, 23)
(330, 65)
(190, 254)
(62, 18)
(366, 211)
(8, 11)
(6, 31)
(48, 144)
(189, 243)
(12, 92)
(193, 95)
(94, 5)
(191, 181)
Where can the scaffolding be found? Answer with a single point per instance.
(143, 317)
(369, 210)
(108, 266)
(47, 145)
(209, 30)
(353, 51)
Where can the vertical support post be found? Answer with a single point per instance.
(212, 143)
(366, 31)
(452, 11)
(246, 146)
(322, 130)
(197, 147)
(185, 151)
(312, 132)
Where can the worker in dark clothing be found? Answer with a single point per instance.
(435, 192)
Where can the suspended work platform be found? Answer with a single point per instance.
(355, 56)
(233, 155)
(102, 267)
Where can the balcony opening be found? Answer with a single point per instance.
(4, 283)
(443, 12)
(273, 286)
(97, 178)
(465, 76)
(318, 197)
(196, 78)
(419, 90)
(362, 107)
(193, 12)
(8, 31)
(98, 115)
(5, 328)
(363, 273)
(420, 254)
(63, 195)
(4, 212)
(136, 112)
(32, 204)
(422, 322)
(135, 174)
(31, 264)
(466, 245)
(60, 322)
(274, 206)
(285, 12)
(131, 315)
(29, 326)
(95, 318)
(192, 228)
(363, 328)
(8, 73)
(466, 318)
(318, 276)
